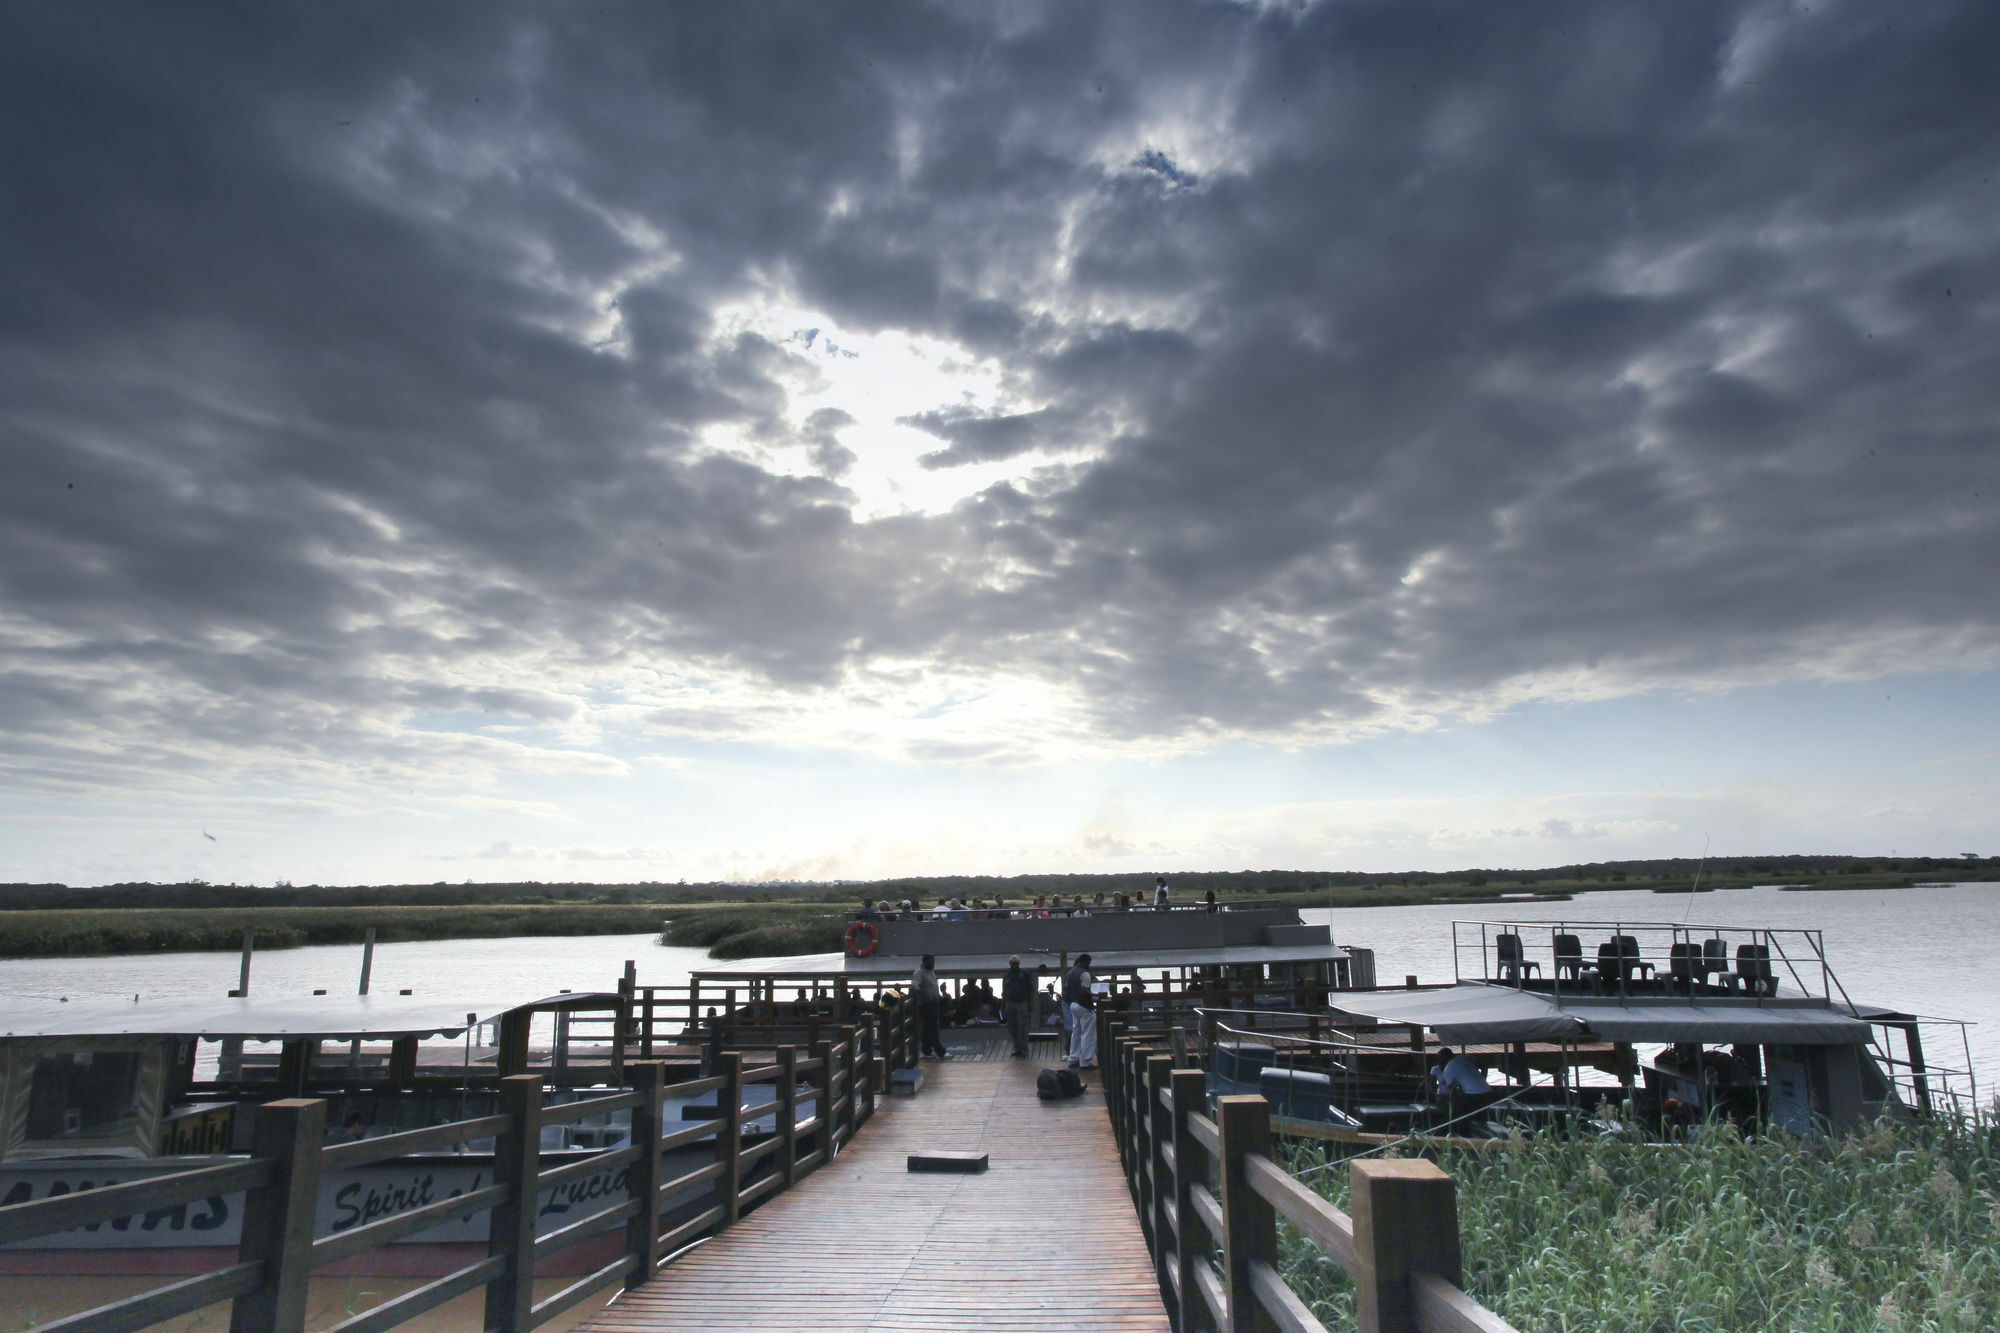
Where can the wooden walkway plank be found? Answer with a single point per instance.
(1045, 1239)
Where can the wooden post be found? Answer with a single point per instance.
(1159, 1069)
(1405, 1221)
(1109, 1053)
(642, 1233)
(1190, 1092)
(822, 1051)
(711, 1051)
(847, 1069)
(729, 1134)
(295, 1062)
(403, 1062)
(278, 1219)
(621, 1018)
(840, 999)
(1138, 1133)
(1142, 1130)
(873, 1077)
(788, 1113)
(513, 1053)
(517, 1160)
(1249, 1225)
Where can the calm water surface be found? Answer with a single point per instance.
(525, 969)
(1930, 950)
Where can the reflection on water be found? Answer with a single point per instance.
(1925, 950)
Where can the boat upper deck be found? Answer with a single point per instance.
(977, 941)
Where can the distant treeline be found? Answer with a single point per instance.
(1721, 872)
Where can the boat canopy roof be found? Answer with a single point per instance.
(1472, 1012)
(276, 1018)
(807, 966)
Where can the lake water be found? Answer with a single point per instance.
(1927, 950)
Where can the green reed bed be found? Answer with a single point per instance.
(1897, 1229)
(70, 934)
(763, 931)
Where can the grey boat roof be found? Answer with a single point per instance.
(807, 966)
(1475, 1012)
(273, 1018)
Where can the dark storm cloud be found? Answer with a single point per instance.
(353, 362)
(973, 438)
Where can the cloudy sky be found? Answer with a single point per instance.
(626, 441)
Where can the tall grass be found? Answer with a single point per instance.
(70, 934)
(1896, 1229)
(757, 932)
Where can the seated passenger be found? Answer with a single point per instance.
(1458, 1073)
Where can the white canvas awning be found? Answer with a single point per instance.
(1479, 1013)
(810, 966)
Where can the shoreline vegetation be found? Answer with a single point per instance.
(747, 920)
(1889, 1229)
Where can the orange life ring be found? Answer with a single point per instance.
(855, 932)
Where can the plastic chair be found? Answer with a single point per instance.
(1569, 957)
(1683, 961)
(1753, 969)
(1609, 976)
(1625, 960)
(1714, 962)
(1513, 964)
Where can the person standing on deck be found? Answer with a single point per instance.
(924, 990)
(1159, 893)
(1082, 1007)
(1017, 994)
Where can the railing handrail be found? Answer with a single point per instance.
(1206, 1185)
(848, 1068)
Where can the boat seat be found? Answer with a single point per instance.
(1514, 965)
(1683, 965)
(1753, 969)
(1569, 957)
(1618, 962)
(1714, 962)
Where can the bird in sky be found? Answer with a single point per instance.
(206, 834)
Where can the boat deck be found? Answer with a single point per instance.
(1045, 1239)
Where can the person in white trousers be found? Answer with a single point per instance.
(1081, 1006)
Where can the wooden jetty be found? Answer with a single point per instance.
(1046, 1238)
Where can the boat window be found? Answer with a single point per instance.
(84, 1095)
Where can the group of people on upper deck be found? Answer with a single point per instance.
(1044, 905)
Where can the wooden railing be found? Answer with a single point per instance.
(1209, 1194)
(281, 1180)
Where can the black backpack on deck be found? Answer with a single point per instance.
(1055, 1085)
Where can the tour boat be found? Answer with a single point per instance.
(93, 1094)
(1682, 1024)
